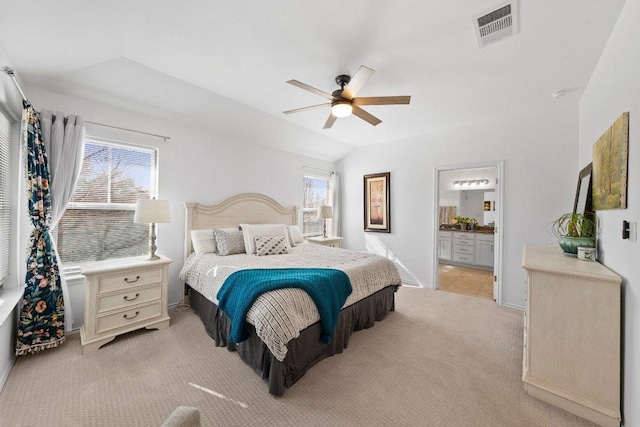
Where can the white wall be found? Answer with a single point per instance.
(614, 88)
(471, 204)
(194, 165)
(450, 198)
(539, 185)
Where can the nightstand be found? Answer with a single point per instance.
(334, 242)
(123, 295)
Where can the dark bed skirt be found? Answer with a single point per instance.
(302, 352)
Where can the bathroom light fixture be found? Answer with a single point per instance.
(470, 183)
(341, 108)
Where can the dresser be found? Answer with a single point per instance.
(334, 242)
(123, 295)
(571, 352)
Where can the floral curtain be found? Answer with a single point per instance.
(42, 314)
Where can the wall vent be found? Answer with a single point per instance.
(496, 24)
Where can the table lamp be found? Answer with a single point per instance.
(324, 213)
(152, 211)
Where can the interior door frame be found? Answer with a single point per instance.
(498, 241)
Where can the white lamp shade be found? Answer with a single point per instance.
(325, 212)
(150, 211)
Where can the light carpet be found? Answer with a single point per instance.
(440, 359)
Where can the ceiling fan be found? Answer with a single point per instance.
(344, 102)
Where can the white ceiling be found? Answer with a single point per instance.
(228, 61)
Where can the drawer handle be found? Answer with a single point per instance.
(132, 317)
(126, 297)
(126, 279)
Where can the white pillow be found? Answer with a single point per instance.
(203, 241)
(250, 231)
(296, 234)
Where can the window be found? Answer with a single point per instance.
(5, 198)
(316, 194)
(98, 222)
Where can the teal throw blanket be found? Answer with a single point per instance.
(328, 288)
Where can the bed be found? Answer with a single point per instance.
(283, 336)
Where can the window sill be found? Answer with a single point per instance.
(9, 298)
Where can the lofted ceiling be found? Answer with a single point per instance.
(228, 61)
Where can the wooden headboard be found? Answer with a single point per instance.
(246, 208)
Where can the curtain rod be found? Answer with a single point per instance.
(129, 130)
(11, 72)
(318, 169)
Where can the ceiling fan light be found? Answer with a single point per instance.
(341, 108)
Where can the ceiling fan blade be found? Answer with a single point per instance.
(311, 89)
(312, 107)
(357, 81)
(382, 100)
(369, 118)
(330, 121)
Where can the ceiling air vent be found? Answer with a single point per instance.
(496, 24)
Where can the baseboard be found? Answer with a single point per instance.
(6, 372)
(414, 284)
(517, 307)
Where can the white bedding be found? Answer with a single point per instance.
(279, 316)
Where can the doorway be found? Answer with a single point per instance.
(467, 226)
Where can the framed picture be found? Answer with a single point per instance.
(610, 161)
(377, 208)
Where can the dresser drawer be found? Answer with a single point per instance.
(468, 258)
(462, 249)
(130, 278)
(128, 298)
(128, 317)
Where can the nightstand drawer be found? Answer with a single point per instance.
(128, 279)
(128, 317)
(128, 298)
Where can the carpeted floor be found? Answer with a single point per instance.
(440, 359)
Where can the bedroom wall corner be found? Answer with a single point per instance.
(614, 88)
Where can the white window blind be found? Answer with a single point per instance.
(5, 198)
(98, 222)
(316, 194)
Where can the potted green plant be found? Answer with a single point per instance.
(575, 230)
(461, 221)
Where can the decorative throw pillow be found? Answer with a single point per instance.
(203, 241)
(229, 241)
(271, 245)
(267, 230)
